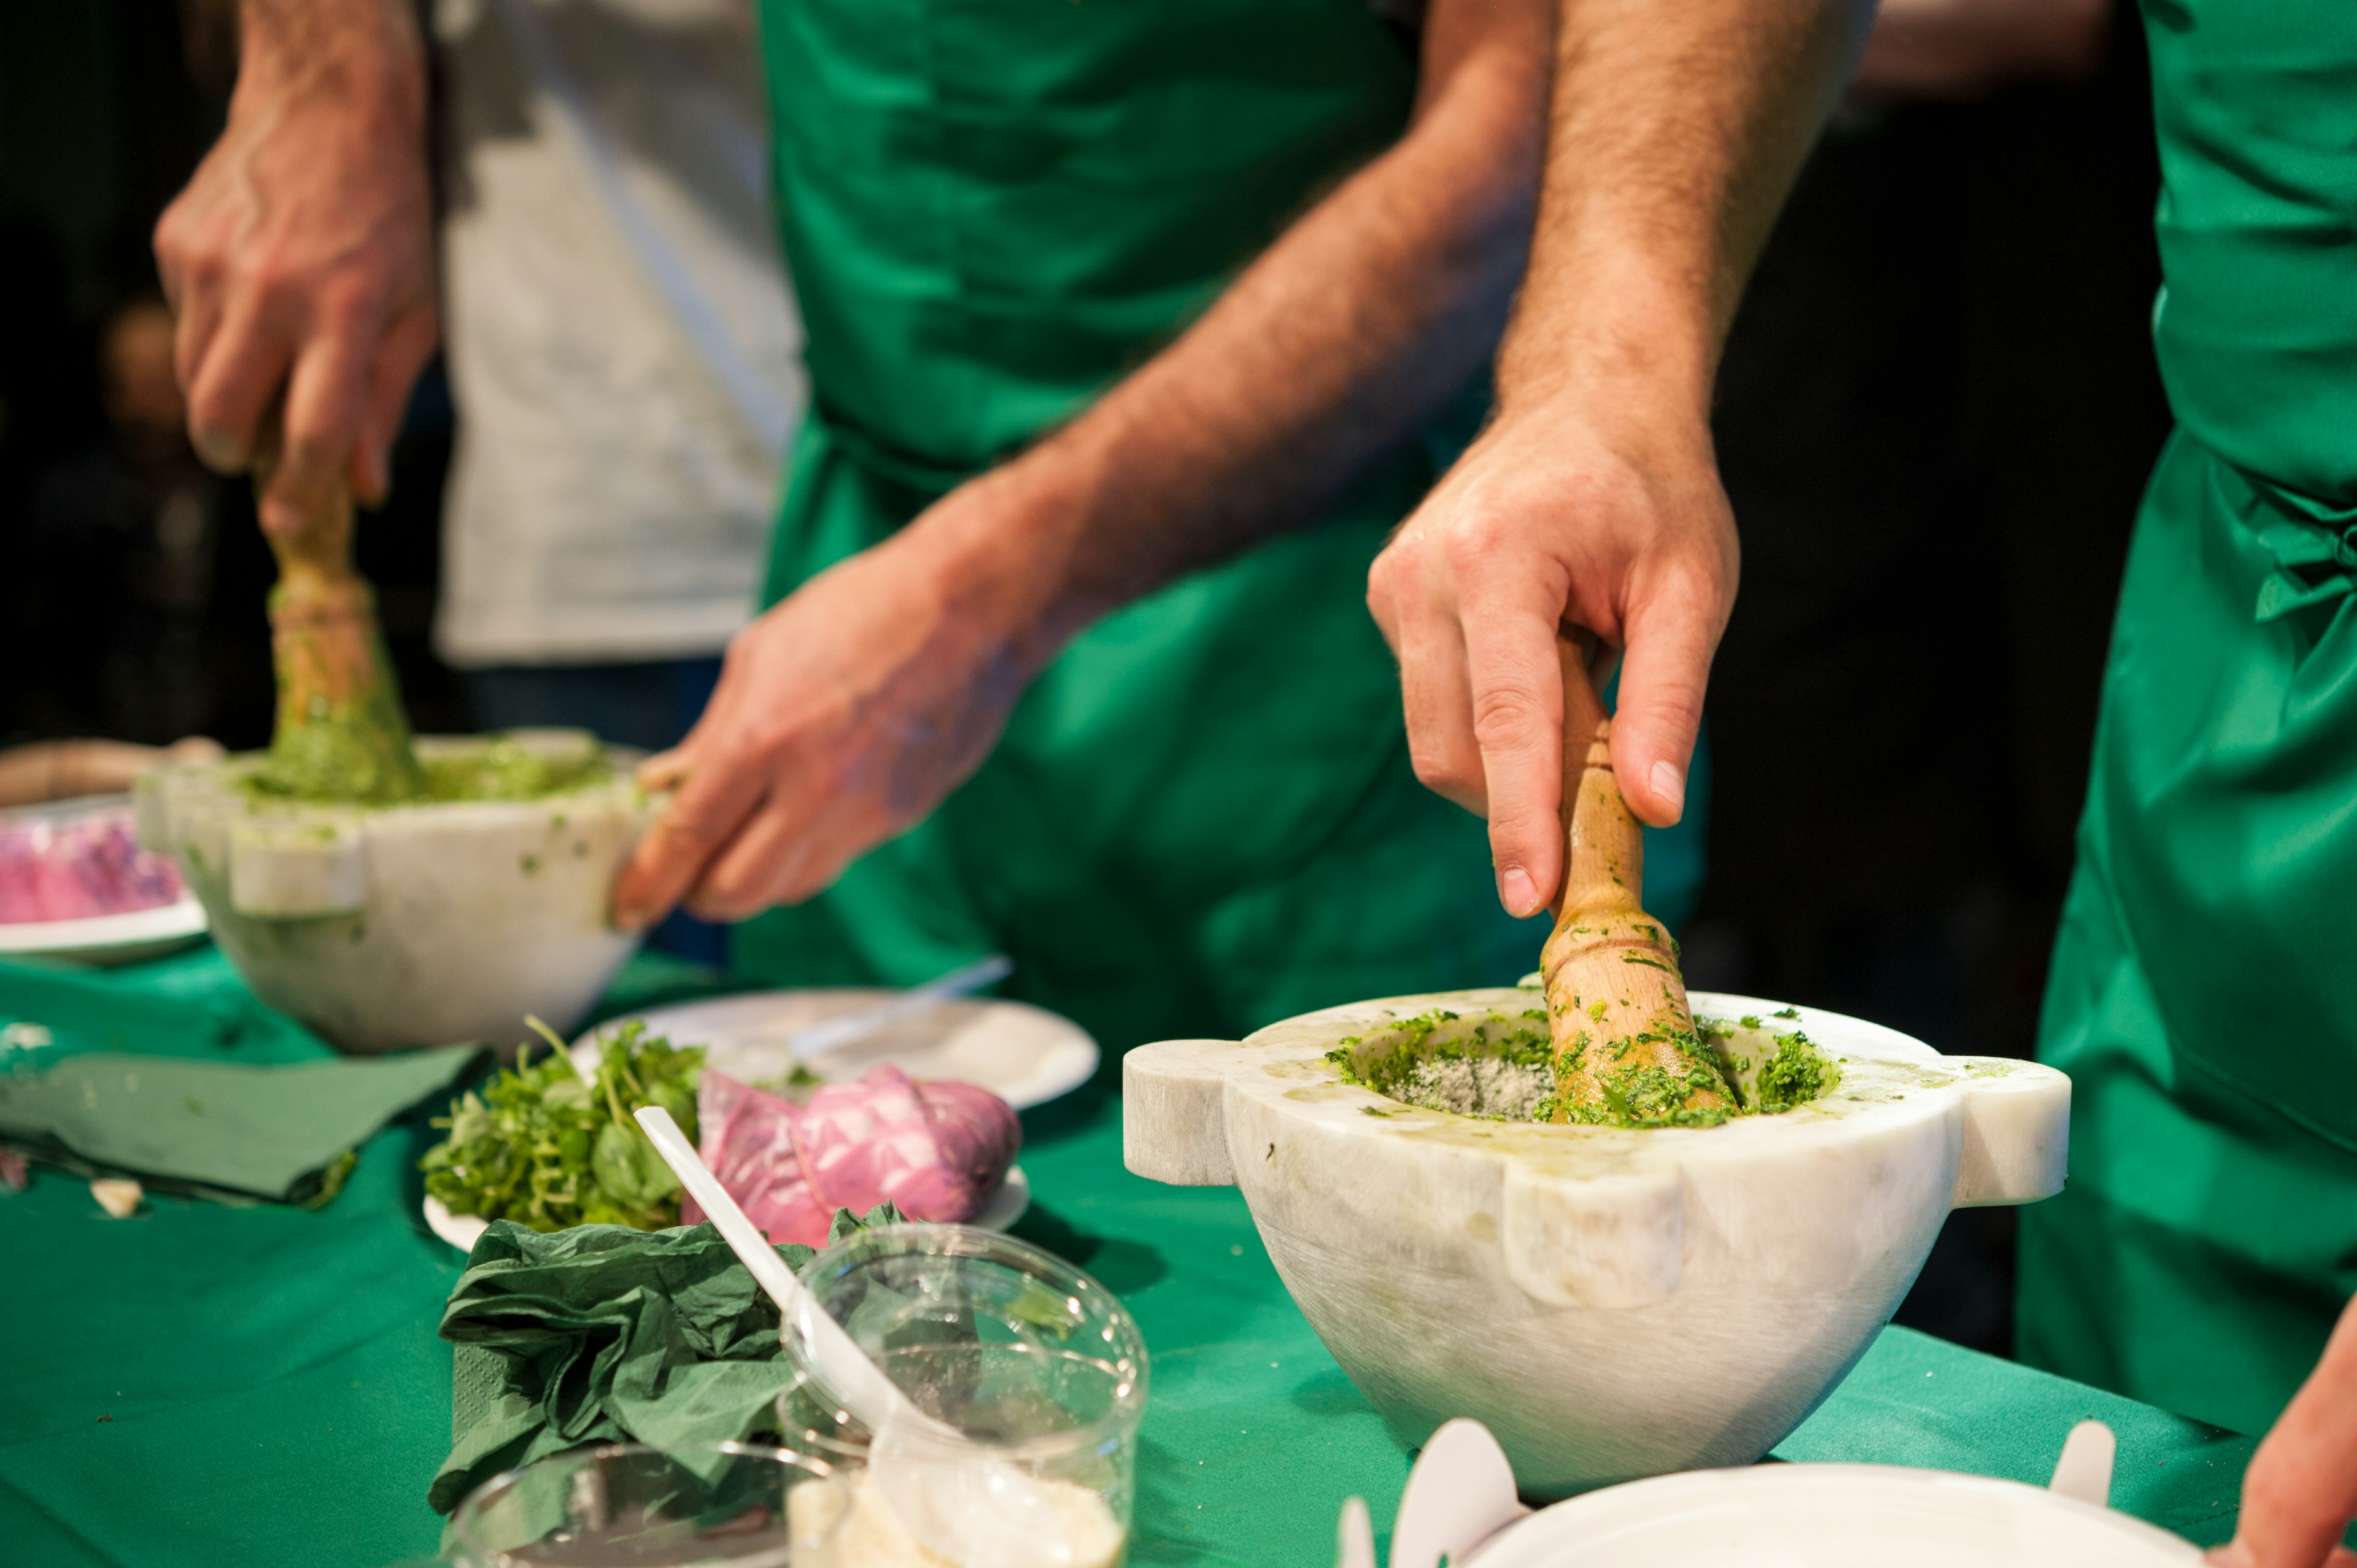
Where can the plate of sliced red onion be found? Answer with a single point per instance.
(75, 884)
(795, 1139)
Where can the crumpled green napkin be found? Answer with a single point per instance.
(603, 1334)
(232, 1132)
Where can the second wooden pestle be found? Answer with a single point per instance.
(340, 733)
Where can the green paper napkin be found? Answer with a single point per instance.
(228, 1131)
(603, 1334)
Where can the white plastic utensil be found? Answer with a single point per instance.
(945, 1489)
(1354, 1536)
(837, 1360)
(1460, 1493)
(2084, 1471)
(833, 1034)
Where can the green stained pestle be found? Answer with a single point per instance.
(340, 734)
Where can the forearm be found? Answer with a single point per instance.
(1676, 133)
(1345, 337)
(332, 47)
(1961, 48)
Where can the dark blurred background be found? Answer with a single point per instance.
(1937, 412)
(1938, 408)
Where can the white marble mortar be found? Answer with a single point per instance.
(1611, 1303)
(415, 925)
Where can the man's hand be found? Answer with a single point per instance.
(1594, 497)
(2300, 1492)
(1555, 517)
(845, 714)
(300, 258)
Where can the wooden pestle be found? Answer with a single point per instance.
(340, 731)
(1616, 1002)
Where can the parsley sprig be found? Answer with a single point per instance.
(548, 1148)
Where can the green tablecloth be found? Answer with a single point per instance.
(204, 1386)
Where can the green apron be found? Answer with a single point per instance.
(2203, 997)
(1201, 817)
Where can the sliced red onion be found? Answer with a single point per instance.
(938, 1151)
(75, 870)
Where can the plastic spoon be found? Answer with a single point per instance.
(945, 1489)
(836, 1360)
(1354, 1536)
(833, 1034)
(2085, 1470)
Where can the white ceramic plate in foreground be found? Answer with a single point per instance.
(1829, 1516)
(1024, 1055)
(1004, 1208)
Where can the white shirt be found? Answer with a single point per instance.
(621, 341)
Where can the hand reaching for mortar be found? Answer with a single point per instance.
(2300, 1492)
(842, 715)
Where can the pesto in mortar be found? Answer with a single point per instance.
(499, 770)
(1500, 1067)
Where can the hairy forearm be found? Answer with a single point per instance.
(1676, 132)
(1368, 315)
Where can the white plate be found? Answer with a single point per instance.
(108, 939)
(100, 939)
(1829, 1516)
(1024, 1055)
(1004, 1208)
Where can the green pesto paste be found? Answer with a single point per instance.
(1500, 1067)
(357, 752)
(321, 766)
(503, 770)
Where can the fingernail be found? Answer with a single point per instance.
(1517, 892)
(1670, 784)
(220, 452)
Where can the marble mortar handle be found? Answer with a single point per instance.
(2016, 1131)
(1174, 1118)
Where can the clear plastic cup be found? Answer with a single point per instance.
(1039, 1367)
(625, 1505)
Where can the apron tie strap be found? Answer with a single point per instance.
(2314, 544)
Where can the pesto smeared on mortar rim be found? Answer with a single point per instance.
(1499, 1066)
(499, 770)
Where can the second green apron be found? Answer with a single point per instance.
(2204, 996)
(1202, 817)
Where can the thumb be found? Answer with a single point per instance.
(1670, 638)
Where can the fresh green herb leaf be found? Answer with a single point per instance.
(545, 1147)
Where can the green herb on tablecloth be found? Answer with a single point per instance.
(549, 1149)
